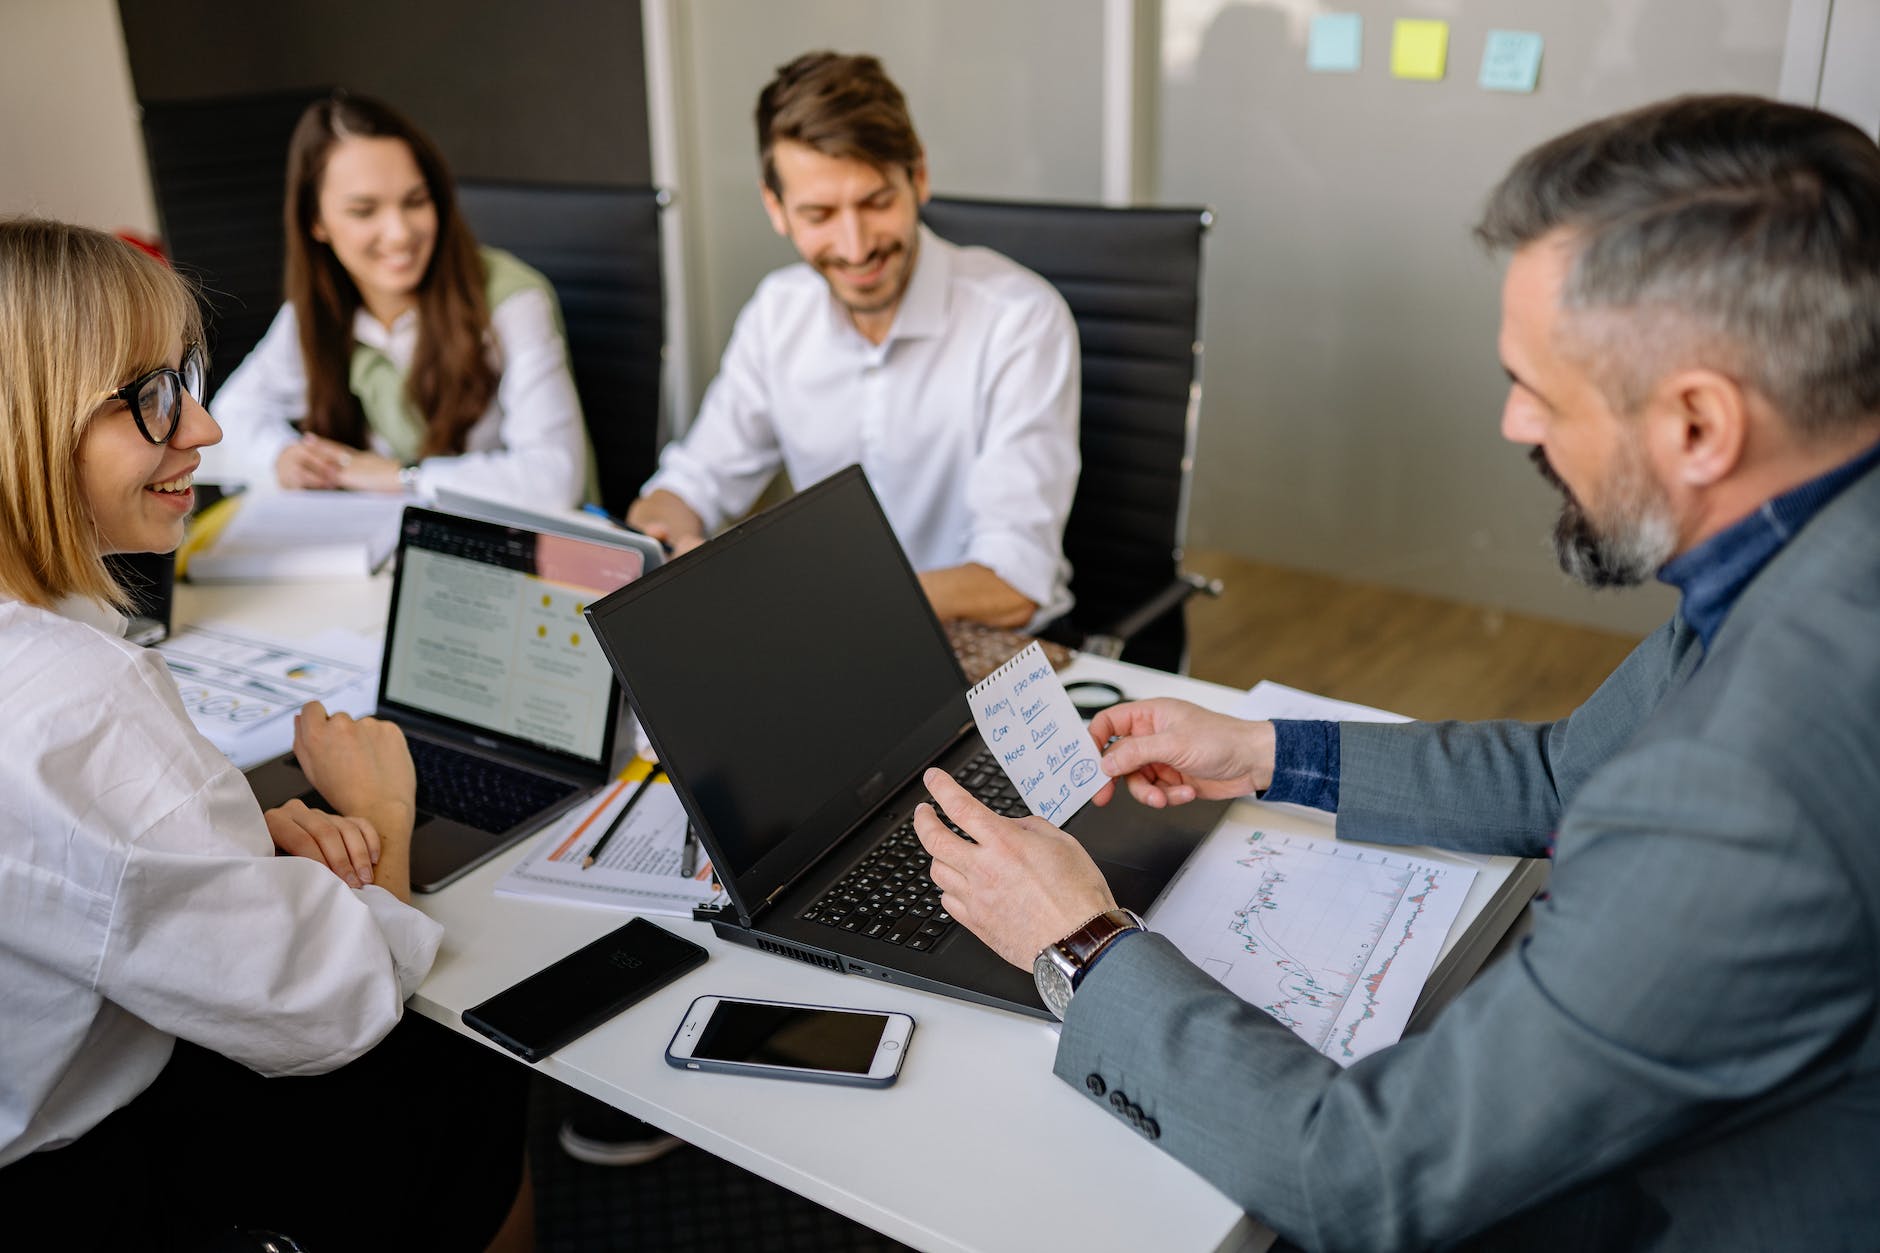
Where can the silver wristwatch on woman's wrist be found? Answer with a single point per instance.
(408, 479)
(1059, 968)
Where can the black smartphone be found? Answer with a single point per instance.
(567, 1000)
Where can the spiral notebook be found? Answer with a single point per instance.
(1026, 718)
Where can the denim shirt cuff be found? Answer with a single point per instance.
(1305, 764)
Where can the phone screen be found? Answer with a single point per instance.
(791, 1035)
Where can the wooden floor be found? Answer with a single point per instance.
(1416, 655)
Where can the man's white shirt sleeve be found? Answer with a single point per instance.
(965, 418)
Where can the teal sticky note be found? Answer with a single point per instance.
(1336, 43)
(1511, 60)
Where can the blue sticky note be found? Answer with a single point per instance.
(1511, 60)
(1336, 43)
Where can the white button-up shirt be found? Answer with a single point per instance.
(140, 899)
(964, 417)
(528, 448)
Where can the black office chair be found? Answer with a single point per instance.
(599, 246)
(218, 169)
(1132, 278)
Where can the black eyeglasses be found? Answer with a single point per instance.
(156, 399)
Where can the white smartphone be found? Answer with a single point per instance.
(817, 1043)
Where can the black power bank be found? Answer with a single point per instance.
(573, 996)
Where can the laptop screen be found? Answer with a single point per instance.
(487, 632)
(790, 674)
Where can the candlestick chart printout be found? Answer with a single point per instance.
(1334, 940)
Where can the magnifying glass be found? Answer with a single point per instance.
(1093, 696)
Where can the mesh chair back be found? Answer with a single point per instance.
(218, 169)
(1132, 279)
(599, 247)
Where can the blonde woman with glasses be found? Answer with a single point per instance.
(157, 957)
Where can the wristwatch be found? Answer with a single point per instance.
(408, 479)
(1060, 967)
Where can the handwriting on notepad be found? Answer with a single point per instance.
(1027, 719)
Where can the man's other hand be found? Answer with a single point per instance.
(1169, 752)
(669, 520)
(1023, 885)
(973, 593)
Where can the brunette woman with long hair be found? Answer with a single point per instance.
(410, 358)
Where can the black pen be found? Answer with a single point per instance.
(594, 853)
(688, 852)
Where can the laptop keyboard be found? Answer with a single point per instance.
(888, 896)
(479, 792)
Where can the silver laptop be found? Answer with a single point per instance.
(509, 705)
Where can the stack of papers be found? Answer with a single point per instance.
(639, 868)
(1267, 699)
(241, 688)
(288, 536)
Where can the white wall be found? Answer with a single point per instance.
(70, 145)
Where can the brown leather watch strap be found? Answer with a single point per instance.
(1088, 940)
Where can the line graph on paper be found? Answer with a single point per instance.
(1334, 940)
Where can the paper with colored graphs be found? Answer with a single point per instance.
(639, 867)
(1027, 720)
(240, 687)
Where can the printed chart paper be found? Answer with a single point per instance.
(1334, 940)
(639, 868)
(1027, 720)
(239, 687)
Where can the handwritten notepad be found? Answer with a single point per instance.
(1028, 721)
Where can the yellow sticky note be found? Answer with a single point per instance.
(1419, 48)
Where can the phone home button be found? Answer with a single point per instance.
(888, 1046)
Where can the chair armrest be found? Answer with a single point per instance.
(1110, 643)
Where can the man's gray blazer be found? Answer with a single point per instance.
(1682, 1055)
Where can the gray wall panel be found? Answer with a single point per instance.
(1353, 392)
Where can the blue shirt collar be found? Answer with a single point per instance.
(1712, 575)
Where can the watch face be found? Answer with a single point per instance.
(1054, 986)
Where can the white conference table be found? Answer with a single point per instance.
(977, 1147)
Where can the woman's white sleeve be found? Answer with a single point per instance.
(256, 405)
(542, 461)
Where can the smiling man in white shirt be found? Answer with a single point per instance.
(950, 374)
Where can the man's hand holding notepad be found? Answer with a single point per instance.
(1029, 723)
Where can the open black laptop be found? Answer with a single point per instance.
(489, 666)
(795, 684)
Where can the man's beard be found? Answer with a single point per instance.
(1627, 547)
(899, 257)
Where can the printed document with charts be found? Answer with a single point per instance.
(638, 870)
(1333, 939)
